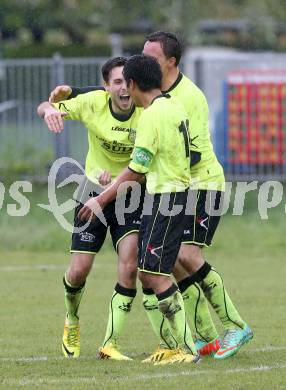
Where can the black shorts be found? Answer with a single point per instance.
(93, 237)
(200, 227)
(160, 235)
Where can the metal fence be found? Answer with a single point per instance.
(25, 83)
(25, 141)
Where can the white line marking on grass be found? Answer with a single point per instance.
(146, 377)
(267, 348)
(41, 267)
(43, 359)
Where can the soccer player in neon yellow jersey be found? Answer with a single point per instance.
(111, 120)
(192, 271)
(162, 153)
(194, 275)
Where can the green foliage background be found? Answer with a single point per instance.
(33, 28)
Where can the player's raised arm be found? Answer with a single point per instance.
(61, 92)
(65, 92)
(52, 116)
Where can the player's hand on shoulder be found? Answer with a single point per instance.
(61, 92)
(54, 119)
(105, 178)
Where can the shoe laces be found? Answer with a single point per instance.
(229, 338)
(73, 336)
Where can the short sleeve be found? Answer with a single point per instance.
(146, 143)
(73, 107)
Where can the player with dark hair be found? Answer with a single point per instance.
(162, 124)
(197, 279)
(192, 272)
(111, 119)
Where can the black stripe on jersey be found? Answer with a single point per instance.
(165, 95)
(121, 117)
(173, 86)
(64, 106)
(80, 90)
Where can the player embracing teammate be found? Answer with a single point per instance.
(196, 278)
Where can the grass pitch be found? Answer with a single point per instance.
(33, 256)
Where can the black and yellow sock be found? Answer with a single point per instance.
(212, 285)
(171, 305)
(197, 309)
(73, 297)
(119, 309)
(157, 320)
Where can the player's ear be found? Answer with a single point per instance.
(106, 86)
(131, 85)
(172, 61)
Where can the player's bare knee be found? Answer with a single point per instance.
(183, 259)
(79, 269)
(128, 270)
(144, 278)
(179, 272)
(190, 257)
(76, 276)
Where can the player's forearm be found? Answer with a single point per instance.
(42, 108)
(118, 187)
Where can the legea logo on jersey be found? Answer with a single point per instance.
(132, 132)
(118, 128)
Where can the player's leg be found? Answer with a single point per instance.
(159, 243)
(171, 306)
(196, 306)
(207, 277)
(122, 297)
(125, 241)
(74, 284)
(158, 323)
(157, 320)
(84, 247)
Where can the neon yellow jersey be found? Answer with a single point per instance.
(207, 173)
(111, 136)
(161, 148)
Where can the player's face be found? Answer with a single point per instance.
(154, 49)
(135, 94)
(121, 101)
